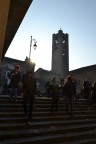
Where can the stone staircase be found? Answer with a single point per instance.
(47, 127)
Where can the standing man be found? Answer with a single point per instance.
(49, 88)
(28, 92)
(15, 77)
(86, 88)
(69, 91)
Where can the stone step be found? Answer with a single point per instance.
(16, 104)
(35, 109)
(39, 103)
(40, 98)
(53, 138)
(45, 131)
(45, 124)
(7, 119)
(43, 100)
(11, 105)
(63, 105)
(39, 106)
(46, 113)
(82, 141)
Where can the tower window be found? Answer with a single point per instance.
(63, 41)
(56, 41)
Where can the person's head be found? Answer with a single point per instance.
(29, 73)
(71, 75)
(69, 79)
(54, 78)
(17, 68)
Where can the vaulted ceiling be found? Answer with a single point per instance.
(12, 13)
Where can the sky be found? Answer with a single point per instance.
(46, 17)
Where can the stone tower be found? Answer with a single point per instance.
(60, 53)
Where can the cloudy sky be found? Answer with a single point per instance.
(46, 17)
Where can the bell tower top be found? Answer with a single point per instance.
(60, 31)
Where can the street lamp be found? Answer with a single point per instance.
(34, 46)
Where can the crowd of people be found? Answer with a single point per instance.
(67, 89)
(56, 88)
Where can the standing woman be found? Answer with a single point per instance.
(15, 77)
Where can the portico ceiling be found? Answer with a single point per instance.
(12, 13)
